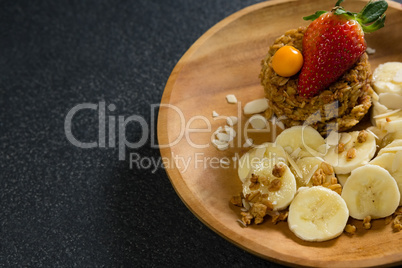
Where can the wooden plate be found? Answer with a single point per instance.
(226, 60)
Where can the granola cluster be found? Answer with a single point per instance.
(344, 103)
(255, 206)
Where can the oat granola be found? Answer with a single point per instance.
(340, 107)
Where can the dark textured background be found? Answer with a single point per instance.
(61, 205)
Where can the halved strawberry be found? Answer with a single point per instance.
(334, 42)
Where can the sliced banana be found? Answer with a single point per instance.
(317, 214)
(342, 178)
(386, 78)
(306, 138)
(355, 152)
(378, 133)
(390, 121)
(393, 147)
(386, 112)
(392, 163)
(371, 191)
(377, 112)
(391, 100)
(250, 159)
(280, 195)
(390, 137)
(308, 166)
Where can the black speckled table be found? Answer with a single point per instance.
(68, 194)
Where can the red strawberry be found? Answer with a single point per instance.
(334, 42)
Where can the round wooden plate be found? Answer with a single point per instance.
(226, 60)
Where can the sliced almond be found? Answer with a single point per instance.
(256, 106)
(223, 137)
(222, 147)
(231, 98)
(387, 114)
(230, 131)
(370, 50)
(280, 125)
(345, 138)
(258, 121)
(308, 176)
(232, 120)
(248, 143)
(259, 152)
(333, 138)
(391, 100)
(295, 166)
(295, 153)
(218, 142)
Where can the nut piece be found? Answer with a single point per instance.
(258, 121)
(247, 217)
(258, 211)
(231, 98)
(318, 177)
(278, 170)
(336, 188)
(351, 154)
(279, 216)
(397, 226)
(267, 203)
(236, 200)
(367, 222)
(327, 168)
(350, 229)
(253, 197)
(255, 184)
(388, 220)
(362, 137)
(340, 148)
(275, 185)
(256, 106)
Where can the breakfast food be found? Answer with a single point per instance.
(304, 137)
(353, 150)
(332, 90)
(318, 214)
(317, 184)
(371, 191)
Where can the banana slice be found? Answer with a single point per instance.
(317, 214)
(390, 100)
(266, 150)
(308, 166)
(280, 190)
(358, 149)
(379, 134)
(342, 178)
(390, 121)
(371, 191)
(391, 162)
(393, 147)
(387, 82)
(377, 111)
(387, 78)
(390, 137)
(306, 138)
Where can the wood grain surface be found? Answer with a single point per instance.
(226, 60)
